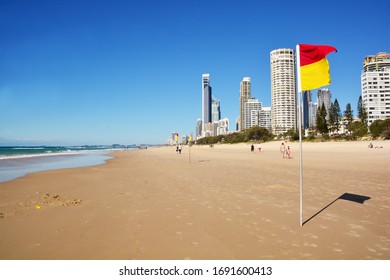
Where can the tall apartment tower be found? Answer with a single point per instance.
(245, 94)
(324, 97)
(215, 110)
(375, 80)
(312, 114)
(206, 100)
(199, 129)
(265, 118)
(283, 91)
(306, 100)
(252, 113)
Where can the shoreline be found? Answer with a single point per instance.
(227, 203)
(104, 156)
(13, 168)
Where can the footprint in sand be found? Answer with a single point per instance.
(353, 233)
(179, 234)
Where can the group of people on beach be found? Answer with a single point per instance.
(286, 152)
(372, 146)
(178, 149)
(253, 148)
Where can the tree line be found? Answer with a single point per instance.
(256, 133)
(329, 122)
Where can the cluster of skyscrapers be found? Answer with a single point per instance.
(282, 115)
(211, 123)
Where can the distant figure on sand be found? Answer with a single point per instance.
(180, 149)
(288, 152)
(177, 149)
(370, 146)
(252, 148)
(259, 147)
(282, 149)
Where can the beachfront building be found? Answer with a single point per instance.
(265, 119)
(283, 91)
(206, 101)
(375, 83)
(238, 124)
(312, 112)
(220, 127)
(185, 139)
(324, 97)
(223, 126)
(252, 109)
(199, 129)
(173, 139)
(215, 110)
(306, 100)
(208, 130)
(245, 94)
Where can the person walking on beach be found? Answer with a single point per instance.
(282, 149)
(288, 152)
(252, 148)
(180, 149)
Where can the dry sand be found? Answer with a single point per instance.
(227, 203)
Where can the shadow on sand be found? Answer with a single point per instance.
(346, 196)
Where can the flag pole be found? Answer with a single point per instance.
(300, 130)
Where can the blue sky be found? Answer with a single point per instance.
(103, 72)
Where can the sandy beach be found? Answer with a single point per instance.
(227, 203)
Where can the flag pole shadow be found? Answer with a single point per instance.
(346, 196)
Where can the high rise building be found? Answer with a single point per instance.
(306, 101)
(215, 110)
(375, 81)
(223, 126)
(324, 97)
(199, 129)
(206, 100)
(252, 109)
(208, 130)
(283, 90)
(312, 114)
(245, 94)
(265, 118)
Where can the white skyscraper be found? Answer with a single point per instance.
(199, 129)
(252, 109)
(375, 82)
(245, 94)
(223, 126)
(265, 118)
(283, 90)
(215, 110)
(324, 97)
(312, 114)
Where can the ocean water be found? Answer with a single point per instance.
(18, 161)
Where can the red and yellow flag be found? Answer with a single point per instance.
(314, 66)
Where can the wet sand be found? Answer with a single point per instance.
(227, 203)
